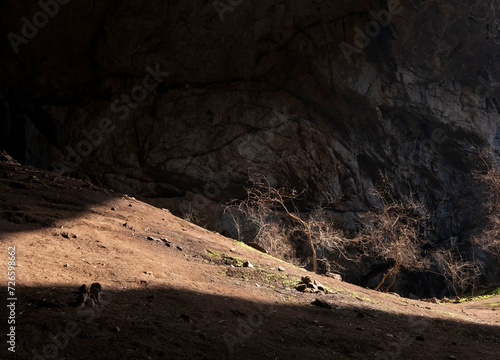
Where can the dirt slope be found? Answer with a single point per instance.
(186, 300)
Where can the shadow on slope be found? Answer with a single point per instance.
(31, 199)
(175, 323)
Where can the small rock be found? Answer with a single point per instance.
(113, 209)
(301, 287)
(257, 285)
(451, 357)
(257, 247)
(66, 265)
(334, 276)
(84, 289)
(310, 291)
(319, 285)
(65, 235)
(130, 205)
(185, 317)
(420, 338)
(312, 286)
(95, 288)
(116, 329)
(360, 328)
(96, 298)
(152, 238)
(81, 299)
(390, 336)
(322, 303)
(434, 300)
(179, 248)
(89, 302)
(281, 268)
(306, 279)
(247, 264)
(95, 292)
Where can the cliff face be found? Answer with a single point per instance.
(182, 101)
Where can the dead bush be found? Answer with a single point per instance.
(458, 272)
(394, 232)
(282, 229)
(489, 176)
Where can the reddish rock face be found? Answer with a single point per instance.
(184, 101)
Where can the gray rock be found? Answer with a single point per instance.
(96, 297)
(312, 286)
(310, 290)
(301, 287)
(95, 288)
(257, 247)
(95, 292)
(335, 276)
(306, 279)
(81, 299)
(89, 302)
(322, 303)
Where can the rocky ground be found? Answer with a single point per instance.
(173, 290)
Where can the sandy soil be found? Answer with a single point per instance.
(190, 300)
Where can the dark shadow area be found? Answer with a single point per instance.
(31, 198)
(174, 323)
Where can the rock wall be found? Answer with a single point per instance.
(180, 102)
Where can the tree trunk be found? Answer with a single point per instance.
(383, 280)
(395, 272)
(311, 244)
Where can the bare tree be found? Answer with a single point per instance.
(490, 176)
(393, 232)
(233, 213)
(459, 273)
(279, 223)
(191, 216)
